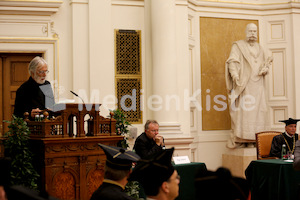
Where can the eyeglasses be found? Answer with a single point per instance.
(177, 177)
(154, 131)
(42, 72)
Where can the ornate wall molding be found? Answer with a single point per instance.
(46, 8)
(267, 7)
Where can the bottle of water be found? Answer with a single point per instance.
(283, 152)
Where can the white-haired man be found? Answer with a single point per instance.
(36, 93)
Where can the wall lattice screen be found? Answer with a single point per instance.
(128, 73)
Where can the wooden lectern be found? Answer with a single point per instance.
(70, 161)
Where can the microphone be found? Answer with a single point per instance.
(77, 96)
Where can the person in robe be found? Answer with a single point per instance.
(157, 176)
(150, 142)
(36, 94)
(245, 70)
(296, 163)
(289, 138)
(117, 170)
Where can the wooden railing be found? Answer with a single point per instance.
(87, 120)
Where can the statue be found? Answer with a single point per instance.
(245, 71)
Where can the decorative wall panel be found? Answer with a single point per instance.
(278, 75)
(278, 113)
(128, 73)
(216, 38)
(128, 94)
(28, 29)
(277, 31)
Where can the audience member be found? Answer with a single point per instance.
(4, 177)
(118, 167)
(289, 138)
(149, 142)
(220, 185)
(12, 192)
(297, 156)
(35, 95)
(157, 176)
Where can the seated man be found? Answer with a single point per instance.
(289, 138)
(36, 93)
(117, 169)
(297, 156)
(157, 176)
(149, 142)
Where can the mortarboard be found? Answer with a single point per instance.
(290, 121)
(152, 172)
(119, 158)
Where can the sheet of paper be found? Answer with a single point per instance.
(181, 159)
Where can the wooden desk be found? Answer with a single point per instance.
(71, 168)
(273, 180)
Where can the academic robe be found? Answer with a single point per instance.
(278, 141)
(31, 95)
(110, 190)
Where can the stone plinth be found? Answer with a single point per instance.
(237, 160)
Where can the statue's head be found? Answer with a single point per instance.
(251, 32)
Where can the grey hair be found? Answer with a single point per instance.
(149, 122)
(35, 63)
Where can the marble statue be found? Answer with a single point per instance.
(245, 72)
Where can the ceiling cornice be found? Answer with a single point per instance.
(26, 7)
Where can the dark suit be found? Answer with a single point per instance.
(110, 191)
(277, 143)
(146, 147)
(297, 156)
(30, 96)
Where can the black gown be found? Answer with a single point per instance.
(145, 147)
(31, 95)
(278, 141)
(110, 191)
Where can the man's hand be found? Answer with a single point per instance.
(35, 112)
(159, 140)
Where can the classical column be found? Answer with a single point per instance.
(165, 98)
(80, 54)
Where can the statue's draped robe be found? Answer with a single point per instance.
(248, 109)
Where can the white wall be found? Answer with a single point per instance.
(83, 54)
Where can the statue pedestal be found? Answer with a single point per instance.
(237, 160)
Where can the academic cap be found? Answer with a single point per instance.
(290, 121)
(155, 170)
(119, 158)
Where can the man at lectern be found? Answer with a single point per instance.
(35, 95)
